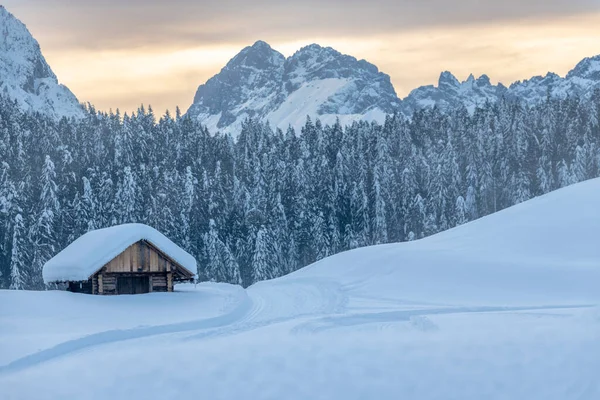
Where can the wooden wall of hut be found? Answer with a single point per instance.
(139, 257)
(141, 268)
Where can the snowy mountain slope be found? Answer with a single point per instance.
(26, 77)
(248, 86)
(503, 307)
(320, 82)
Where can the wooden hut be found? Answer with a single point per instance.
(123, 259)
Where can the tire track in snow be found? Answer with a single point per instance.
(252, 312)
(305, 298)
(118, 335)
(332, 322)
(299, 297)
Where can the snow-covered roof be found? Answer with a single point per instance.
(86, 255)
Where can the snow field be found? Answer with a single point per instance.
(506, 307)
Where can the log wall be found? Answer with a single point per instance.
(107, 283)
(159, 283)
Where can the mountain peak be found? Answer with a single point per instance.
(263, 48)
(26, 77)
(317, 53)
(259, 44)
(588, 68)
(447, 79)
(325, 62)
(312, 47)
(260, 55)
(483, 80)
(253, 74)
(318, 81)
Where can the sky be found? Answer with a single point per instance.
(120, 54)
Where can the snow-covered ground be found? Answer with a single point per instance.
(506, 307)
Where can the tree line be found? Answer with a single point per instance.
(268, 202)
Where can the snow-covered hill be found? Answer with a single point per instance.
(540, 252)
(26, 77)
(317, 81)
(506, 307)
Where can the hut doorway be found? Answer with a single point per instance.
(133, 284)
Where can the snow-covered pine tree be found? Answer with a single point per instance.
(87, 217)
(221, 263)
(214, 268)
(6, 204)
(126, 198)
(461, 211)
(105, 205)
(43, 233)
(262, 262)
(188, 193)
(19, 257)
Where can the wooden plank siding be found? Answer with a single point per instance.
(135, 255)
(139, 257)
(154, 267)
